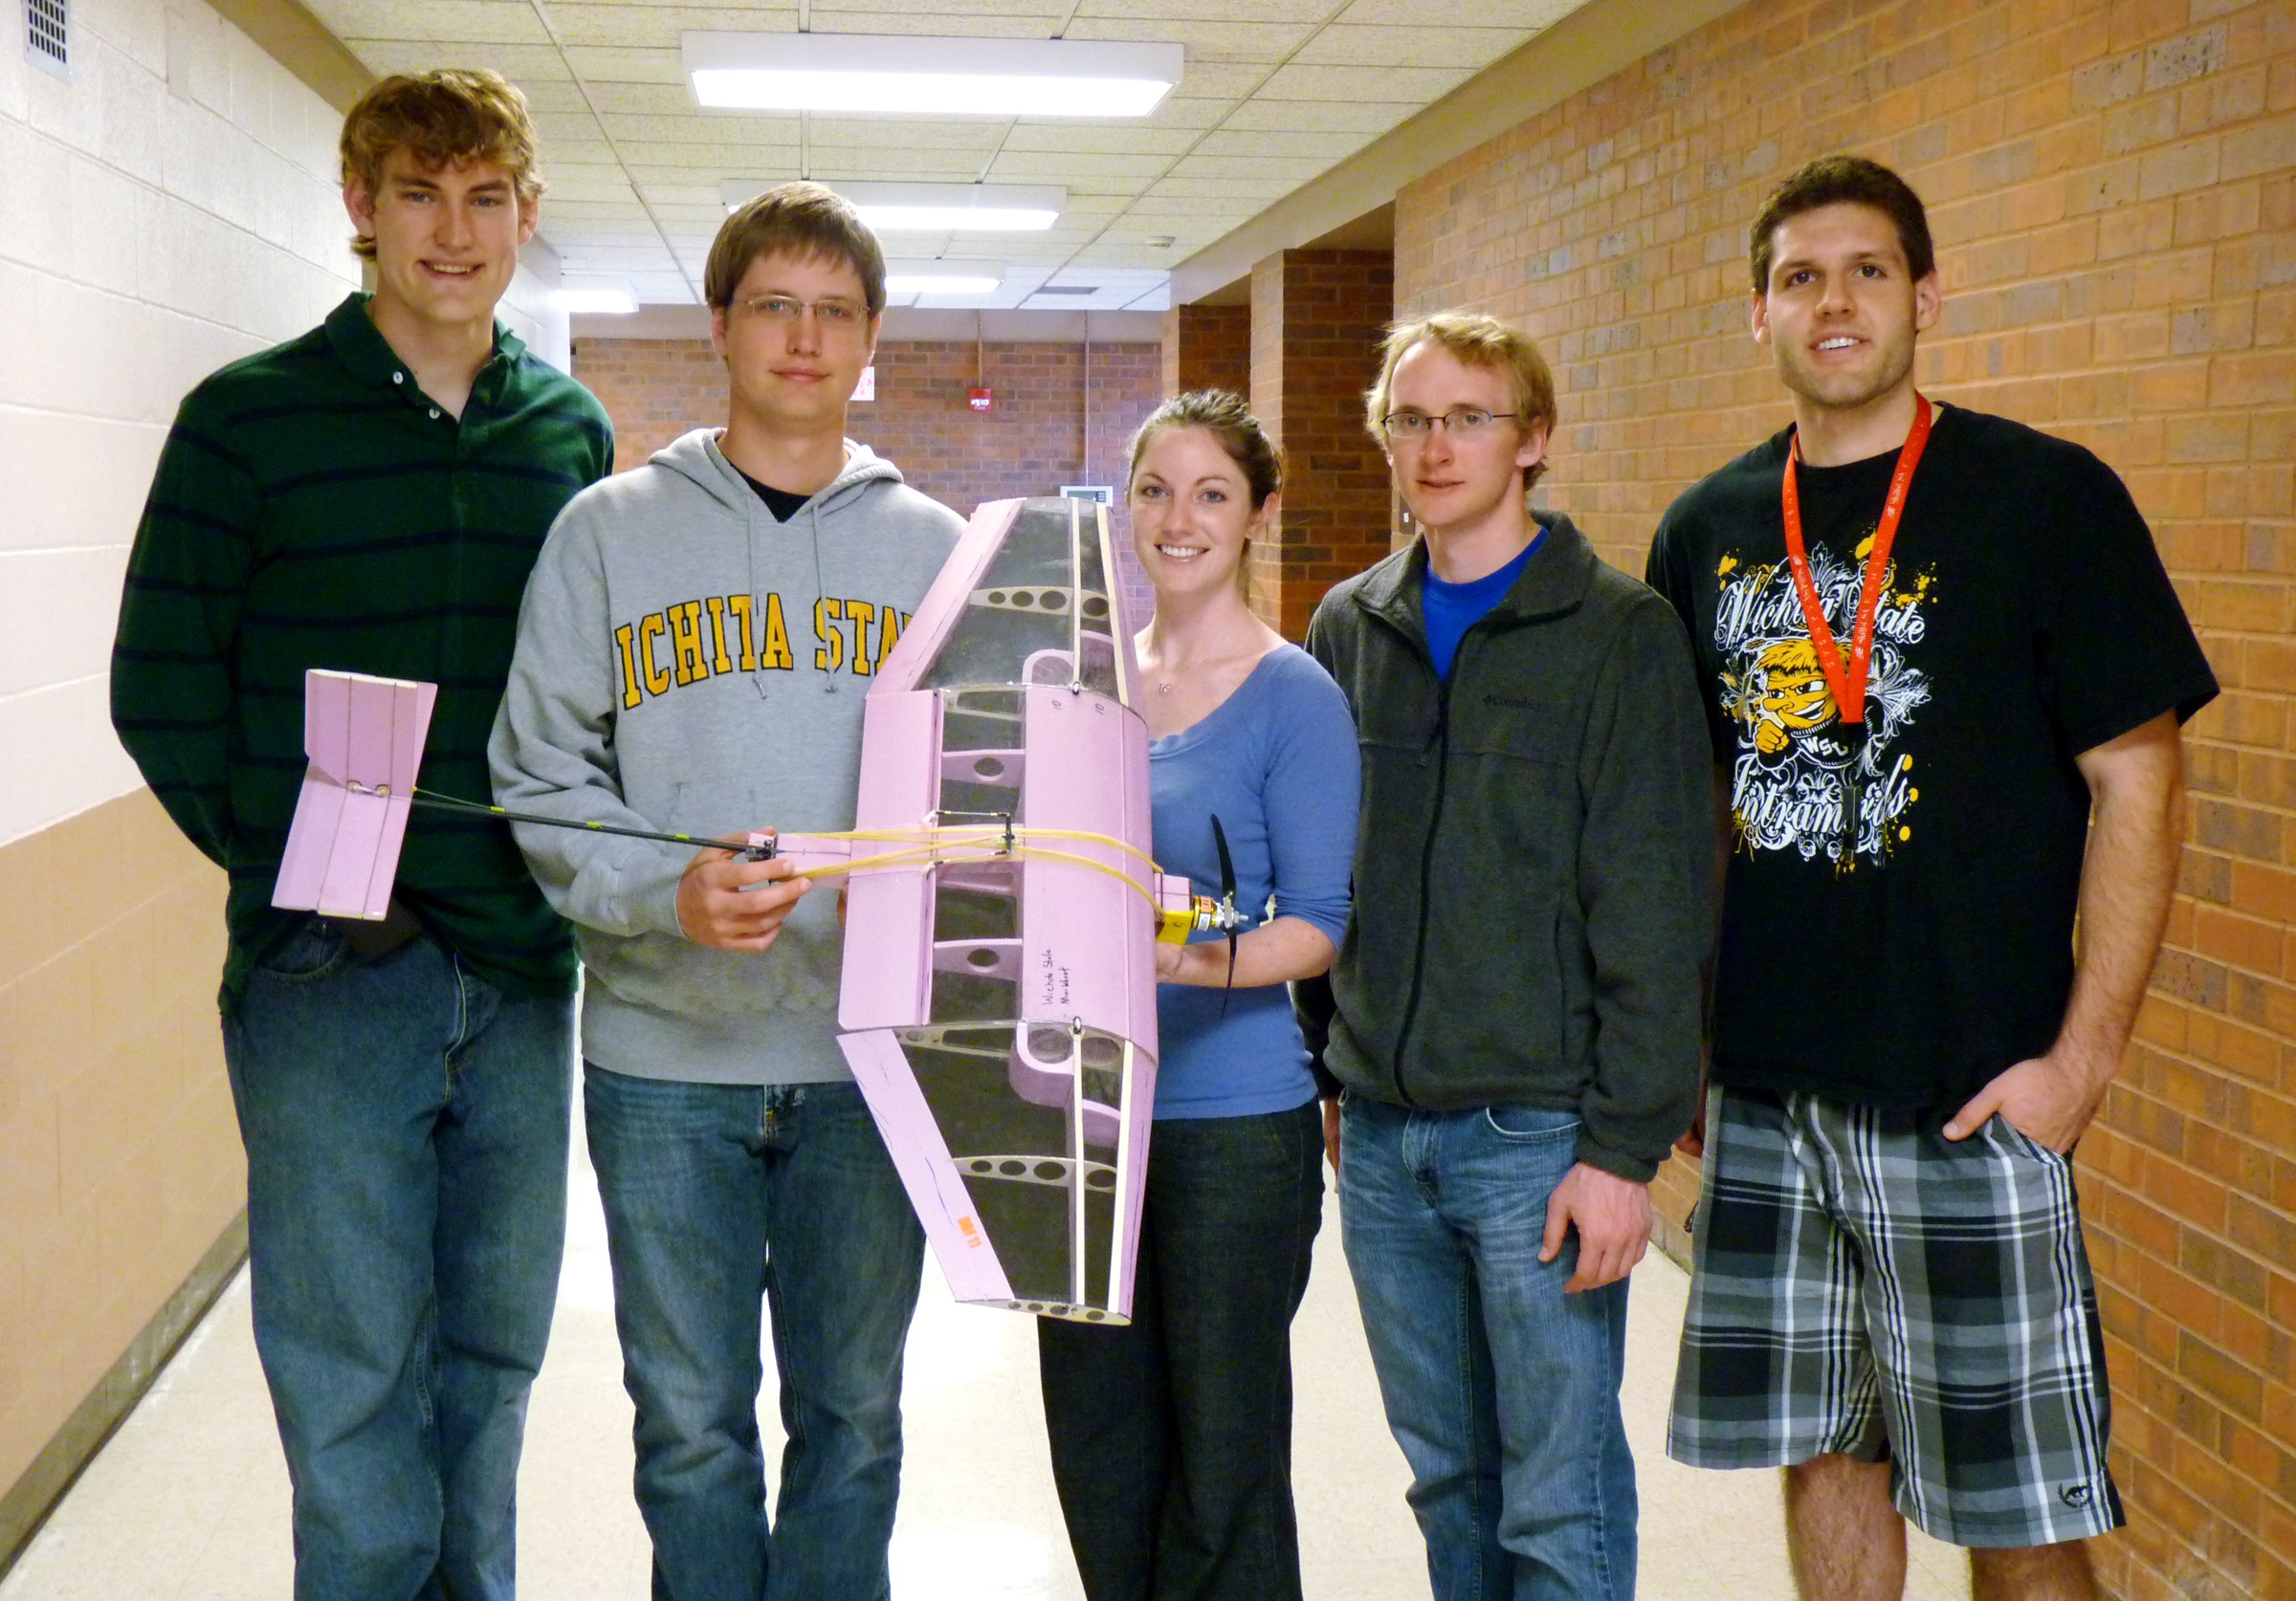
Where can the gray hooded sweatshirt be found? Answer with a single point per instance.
(687, 663)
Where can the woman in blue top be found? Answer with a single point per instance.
(1172, 1436)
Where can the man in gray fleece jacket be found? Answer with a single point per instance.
(1517, 993)
(693, 649)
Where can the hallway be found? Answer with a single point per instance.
(188, 1502)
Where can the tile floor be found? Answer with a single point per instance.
(188, 1502)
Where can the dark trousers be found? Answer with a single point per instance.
(1172, 1436)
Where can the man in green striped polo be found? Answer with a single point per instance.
(369, 497)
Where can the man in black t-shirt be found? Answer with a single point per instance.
(1932, 643)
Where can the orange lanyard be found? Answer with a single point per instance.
(1849, 683)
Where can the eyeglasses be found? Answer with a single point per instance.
(841, 317)
(1463, 423)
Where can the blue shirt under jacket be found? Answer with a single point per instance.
(1448, 610)
(1277, 762)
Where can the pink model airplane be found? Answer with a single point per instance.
(999, 998)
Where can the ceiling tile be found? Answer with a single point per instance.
(1275, 92)
(1086, 138)
(717, 156)
(1182, 110)
(529, 66)
(654, 25)
(1207, 10)
(1417, 86)
(1037, 167)
(845, 163)
(1366, 117)
(980, 136)
(1525, 16)
(1326, 147)
(1290, 172)
(1226, 38)
(967, 19)
(625, 64)
(1469, 48)
(643, 99)
(1221, 188)
(706, 126)
(455, 21)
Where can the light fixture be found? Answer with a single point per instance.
(931, 77)
(935, 208)
(596, 299)
(944, 277)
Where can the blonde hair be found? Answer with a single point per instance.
(1476, 341)
(442, 119)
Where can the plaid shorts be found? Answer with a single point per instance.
(1863, 1285)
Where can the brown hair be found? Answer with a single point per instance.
(799, 219)
(1838, 181)
(1477, 340)
(442, 119)
(1227, 420)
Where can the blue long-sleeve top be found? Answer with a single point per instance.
(1277, 762)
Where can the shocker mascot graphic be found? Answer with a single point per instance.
(1783, 694)
(1787, 784)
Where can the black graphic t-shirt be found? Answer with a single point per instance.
(2025, 619)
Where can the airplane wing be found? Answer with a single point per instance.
(1000, 1013)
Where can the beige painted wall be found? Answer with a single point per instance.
(118, 1159)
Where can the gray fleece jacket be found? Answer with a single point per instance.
(687, 663)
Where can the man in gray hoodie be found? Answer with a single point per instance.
(692, 654)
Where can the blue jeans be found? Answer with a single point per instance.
(406, 1126)
(1502, 1391)
(1172, 1436)
(718, 1197)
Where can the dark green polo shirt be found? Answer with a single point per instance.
(313, 508)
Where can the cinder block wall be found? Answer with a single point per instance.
(2112, 185)
(1035, 439)
(167, 208)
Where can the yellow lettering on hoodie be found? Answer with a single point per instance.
(684, 640)
(776, 651)
(890, 624)
(862, 614)
(652, 628)
(623, 637)
(832, 654)
(740, 607)
(719, 662)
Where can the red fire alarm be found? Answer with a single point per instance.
(980, 400)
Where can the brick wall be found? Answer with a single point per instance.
(1207, 347)
(2112, 186)
(1316, 317)
(1031, 443)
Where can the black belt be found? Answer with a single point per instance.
(375, 941)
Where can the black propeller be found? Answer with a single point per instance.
(1227, 907)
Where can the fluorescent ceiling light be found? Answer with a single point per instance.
(595, 299)
(937, 207)
(930, 76)
(944, 277)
